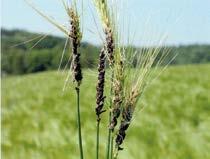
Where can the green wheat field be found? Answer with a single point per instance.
(39, 119)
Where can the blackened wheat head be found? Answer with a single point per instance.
(75, 36)
(100, 85)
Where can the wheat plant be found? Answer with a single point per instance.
(109, 45)
(75, 36)
(128, 81)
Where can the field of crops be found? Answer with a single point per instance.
(39, 119)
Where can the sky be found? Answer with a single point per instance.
(141, 21)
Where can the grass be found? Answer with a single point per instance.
(39, 121)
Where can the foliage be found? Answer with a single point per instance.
(22, 59)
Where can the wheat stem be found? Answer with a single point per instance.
(79, 122)
(108, 140)
(111, 146)
(97, 139)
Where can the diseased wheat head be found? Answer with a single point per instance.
(75, 35)
(100, 84)
(137, 78)
(118, 85)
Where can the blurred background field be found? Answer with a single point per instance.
(38, 119)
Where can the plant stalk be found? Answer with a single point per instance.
(79, 122)
(109, 139)
(108, 154)
(97, 140)
(111, 145)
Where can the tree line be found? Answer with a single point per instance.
(20, 56)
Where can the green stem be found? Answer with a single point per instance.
(79, 122)
(110, 116)
(109, 137)
(111, 146)
(97, 139)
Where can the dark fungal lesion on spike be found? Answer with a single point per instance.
(77, 68)
(115, 115)
(125, 123)
(100, 85)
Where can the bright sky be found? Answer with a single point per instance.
(184, 21)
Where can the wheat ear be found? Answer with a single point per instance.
(100, 85)
(108, 28)
(75, 36)
(136, 83)
(100, 94)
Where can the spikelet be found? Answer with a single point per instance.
(75, 36)
(100, 85)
